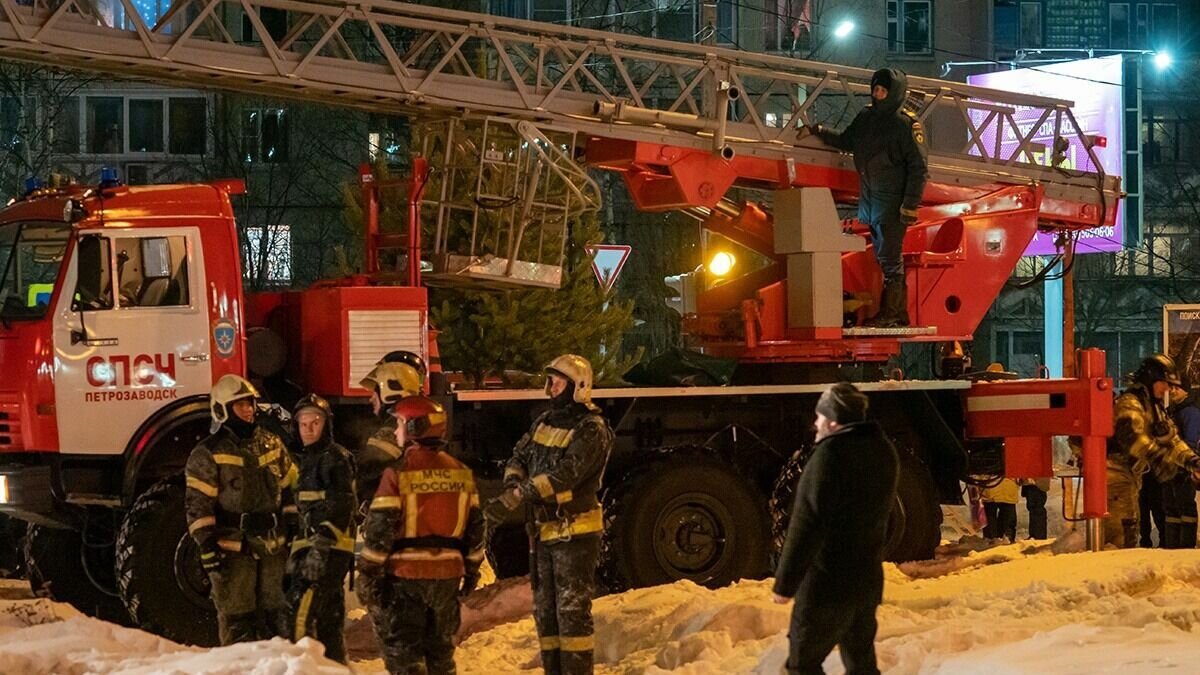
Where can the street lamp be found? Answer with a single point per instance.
(844, 28)
(1162, 60)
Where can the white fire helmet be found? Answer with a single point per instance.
(577, 370)
(393, 381)
(225, 392)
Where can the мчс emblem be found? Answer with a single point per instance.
(224, 337)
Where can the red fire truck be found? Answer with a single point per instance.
(121, 305)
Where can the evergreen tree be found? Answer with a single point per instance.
(490, 334)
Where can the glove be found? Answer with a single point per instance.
(212, 559)
(511, 499)
(469, 582)
(908, 216)
(312, 567)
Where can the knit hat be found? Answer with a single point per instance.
(883, 78)
(843, 403)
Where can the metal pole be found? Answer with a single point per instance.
(416, 186)
(1068, 313)
(708, 22)
(1090, 366)
(370, 192)
(1053, 349)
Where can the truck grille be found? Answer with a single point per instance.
(10, 422)
(374, 333)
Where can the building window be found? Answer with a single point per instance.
(105, 125)
(273, 19)
(64, 126)
(676, 20)
(1164, 22)
(549, 11)
(1165, 137)
(910, 26)
(1118, 26)
(188, 124)
(1031, 24)
(145, 125)
(264, 135)
(1141, 25)
(788, 25)
(271, 245)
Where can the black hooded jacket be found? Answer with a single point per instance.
(889, 150)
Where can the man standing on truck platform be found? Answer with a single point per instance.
(388, 382)
(324, 550)
(832, 560)
(1144, 440)
(557, 468)
(240, 483)
(889, 150)
(423, 536)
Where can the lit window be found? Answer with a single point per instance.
(910, 26)
(270, 246)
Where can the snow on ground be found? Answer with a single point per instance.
(1013, 612)
(1012, 609)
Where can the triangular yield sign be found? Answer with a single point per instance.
(607, 261)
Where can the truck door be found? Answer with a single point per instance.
(130, 334)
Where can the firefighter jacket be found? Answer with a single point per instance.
(325, 496)
(558, 467)
(889, 153)
(1145, 439)
(425, 521)
(379, 452)
(239, 491)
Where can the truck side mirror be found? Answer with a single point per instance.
(93, 287)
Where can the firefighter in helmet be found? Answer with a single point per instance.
(324, 550)
(422, 545)
(1144, 440)
(240, 483)
(556, 468)
(388, 382)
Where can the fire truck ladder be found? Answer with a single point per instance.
(409, 59)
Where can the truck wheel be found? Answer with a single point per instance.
(54, 560)
(688, 517)
(917, 498)
(158, 568)
(914, 523)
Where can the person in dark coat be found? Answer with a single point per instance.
(888, 143)
(832, 560)
(1179, 495)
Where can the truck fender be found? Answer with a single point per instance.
(145, 447)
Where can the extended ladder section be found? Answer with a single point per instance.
(409, 59)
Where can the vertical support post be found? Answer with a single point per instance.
(416, 187)
(708, 22)
(370, 194)
(1053, 350)
(1068, 314)
(1090, 366)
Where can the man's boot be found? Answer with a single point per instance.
(893, 305)
(1170, 534)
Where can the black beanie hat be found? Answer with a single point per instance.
(883, 78)
(843, 403)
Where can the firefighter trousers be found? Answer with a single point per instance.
(562, 595)
(319, 607)
(415, 621)
(1179, 509)
(1121, 523)
(248, 593)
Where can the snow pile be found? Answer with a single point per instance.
(42, 637)
(1012, 609)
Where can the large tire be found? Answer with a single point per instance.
(914, 523)
(54, 561)
(688, 517)
(158, 569)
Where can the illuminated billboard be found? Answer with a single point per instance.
(1096, 86)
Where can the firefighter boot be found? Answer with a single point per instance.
(1170, 533)
(893, 305)
(1187, 532)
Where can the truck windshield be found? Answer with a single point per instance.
(31, 254)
